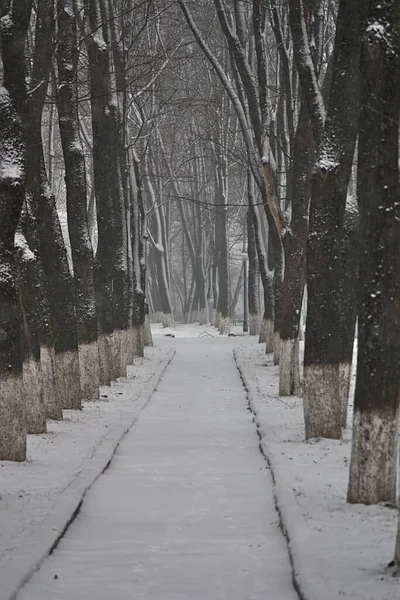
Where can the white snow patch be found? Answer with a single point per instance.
(29, 490)
(338, 550)
(21, 243)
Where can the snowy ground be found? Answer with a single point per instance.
(338, 550)
(185, 509)
(30, 490)
(182, 519)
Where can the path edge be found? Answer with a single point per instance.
(279, 503)
(16, 572)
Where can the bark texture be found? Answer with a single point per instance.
(330, 182)
(75, 181)
(12, 182)
(294, 245)
(373, 466)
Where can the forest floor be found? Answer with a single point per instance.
(186, 508)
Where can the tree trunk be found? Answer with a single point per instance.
(323, 347)
(295, 249)
(140, 318)
(254, 278)
(40, 315)
(222, 249)
(52, 250)
(102, 125)
(278, 290)
(12, 182)
(28, 298)
(347, 324)
(373, 466)
(267, 324)
(75, 181)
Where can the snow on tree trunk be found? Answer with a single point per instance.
(42, 208)
(75, 181)
(12, 180)
(373, 466)
(323, 346)
(28, 298)
(40, 312)
(102, 124)
(294, 245)
(14, 25)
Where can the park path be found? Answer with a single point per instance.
(185, 510)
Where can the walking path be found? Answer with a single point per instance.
(185, 510)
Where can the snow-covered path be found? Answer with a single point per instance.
(185, 510)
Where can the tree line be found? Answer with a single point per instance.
(72, 299)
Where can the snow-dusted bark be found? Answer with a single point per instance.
(323, 347)
(373, 466)
(254, 278)
(12, 182)
(295, 249)
(75, 181)
(306, 68)
(44, 219)
(38, 309)
(122, 276)
(102, 124)
(137, 224)
(27, 271)
(267, 323)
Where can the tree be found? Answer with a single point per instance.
(12, 181)
(42, 229)
(373, 466)
(335, 136)
(75, 181)
(15, 21)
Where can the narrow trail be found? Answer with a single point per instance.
(185, 511)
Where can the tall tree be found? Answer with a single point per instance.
(335, 137)
(373, 466)
(15, 22)
(76, 192)
(43, 226)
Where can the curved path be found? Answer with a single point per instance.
(185, 510)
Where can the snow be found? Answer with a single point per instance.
(185, 509)
(20, 243)
(30, 490)
(6, 22)
(338, 550)
(380, 31)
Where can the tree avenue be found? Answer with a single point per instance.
(161, 159)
